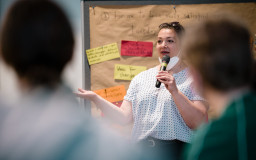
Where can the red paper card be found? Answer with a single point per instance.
(136, 48)
(118, 104)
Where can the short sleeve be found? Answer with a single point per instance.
(195, 94)
(132, 90)
(189, 89)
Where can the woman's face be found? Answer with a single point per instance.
(167, 43)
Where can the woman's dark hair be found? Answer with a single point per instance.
(37, 41)
(176, 26)
(219, 50)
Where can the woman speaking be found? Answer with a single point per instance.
(163, 117)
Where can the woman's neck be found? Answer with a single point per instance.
(176, 69)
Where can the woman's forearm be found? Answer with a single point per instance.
(194, 113)
(120, 115)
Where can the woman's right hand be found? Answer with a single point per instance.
(89, 95)
(122, 115)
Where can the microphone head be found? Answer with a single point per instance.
(166, 59)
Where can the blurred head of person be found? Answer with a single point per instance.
(219, 55)
(36, 40)
(169, 39)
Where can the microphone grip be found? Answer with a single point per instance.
(158, 83)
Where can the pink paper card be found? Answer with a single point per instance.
(136, 48)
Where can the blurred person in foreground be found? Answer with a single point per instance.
(47, 123)
(221, 63)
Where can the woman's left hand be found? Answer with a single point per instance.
(168, 80)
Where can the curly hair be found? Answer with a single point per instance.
(176, 26)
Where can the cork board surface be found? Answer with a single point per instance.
(111, 24)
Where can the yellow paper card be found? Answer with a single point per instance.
(112, 94)
(127, 72)
(104, 53)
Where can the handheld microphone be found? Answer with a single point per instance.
(165, 61)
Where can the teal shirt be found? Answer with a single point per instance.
(231, 137)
